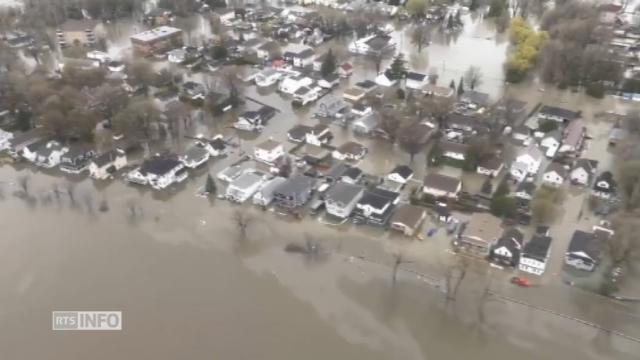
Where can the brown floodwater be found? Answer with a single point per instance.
(188, 289)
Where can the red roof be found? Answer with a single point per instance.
(346, 66)
(610, 8)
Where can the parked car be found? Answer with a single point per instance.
(520, 281)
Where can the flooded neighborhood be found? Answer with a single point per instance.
(319, 179)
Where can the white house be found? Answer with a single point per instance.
(535, 255)
(5, 136)
(159, 172)
(490, 166)
(306, 95)
(268, 77)
(243, 187)
(407, 219)
(401, 174)
(453, 150)
(318, 135)
(527, 162)
(383, 80)
(551, 143)
(291, 84)
(350, 150)
(438, 185)
(49, 155)
(299, 55)
(104, 165)
(226, 15)
(264, 195)
(557, 114)
(353, 95)
(341, 199)
(268, 151)
(416, 81)
(554, 175)
(604, 186)
(195, 157)
(583, 171)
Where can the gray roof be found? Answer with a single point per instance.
(558, 168)
(246, 180)
(409, 215)
(195, 153)
(343, 192)
(441, 182)
(296, 185)
(558, 111)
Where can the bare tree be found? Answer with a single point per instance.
(24, 182)
(242, 221)
(473, 77)
(398, 259)
(454, 277)
(421, 36)
(70, 189)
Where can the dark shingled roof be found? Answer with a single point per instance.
(559, 112)
(441, 182)
(538, 247)
(403, 170)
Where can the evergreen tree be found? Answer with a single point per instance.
(210, 185)
(474, 5)
(23, 120)
(460, 87)
(452, 85)
(458, 19)
(328, 64)
(398, 69)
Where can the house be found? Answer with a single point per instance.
(298, 55)
(361, 110)
(103, 166)
(217, 146)
(317, 62)
(527, 162)
(314, 155)
(490, 165)
(268, 77)
(264, 196)
(45, 153)
(557, 114)
(230, 173)
(438, 185)
(384, 80)
(158, 17)
(332, 107)
(535, 254)
(401, 174)
(267, 50)
(298, 133)
(367, 86)
(350, 150)
(551, 143)
(375, 207)
(608, 13)
(371, 45)
(443, 92)
(453, 150)
(306, 95)
(585, 250)
(295, 192)
(522, 135)
(329, 81)
(479, 234)
(77, 33)
(604, 186)
(77, 159)
(243, 187)
(195, 157)
(345, 70)
(225, 15)
(335, 172)
(5, 137)
(291, 84)
(341, 199)
(416, 81)
(157, 40)
(583, 171)
(475, 99)
(352, 175)
(555, 174)
(574, 136)
(407, 219)
(365, 125)
(524, 192)
(159, 172)
(318, 135)
(507, 249)
(353, 94)
(268, 151)
(255, 120)
(19, 141)
(183, 55)
(193, 91)
(617, 135)
(463, 122)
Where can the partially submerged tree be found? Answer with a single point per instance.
(329, 64)
(473, 77)
(421, 36)
(242, 221)
(210, 186)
